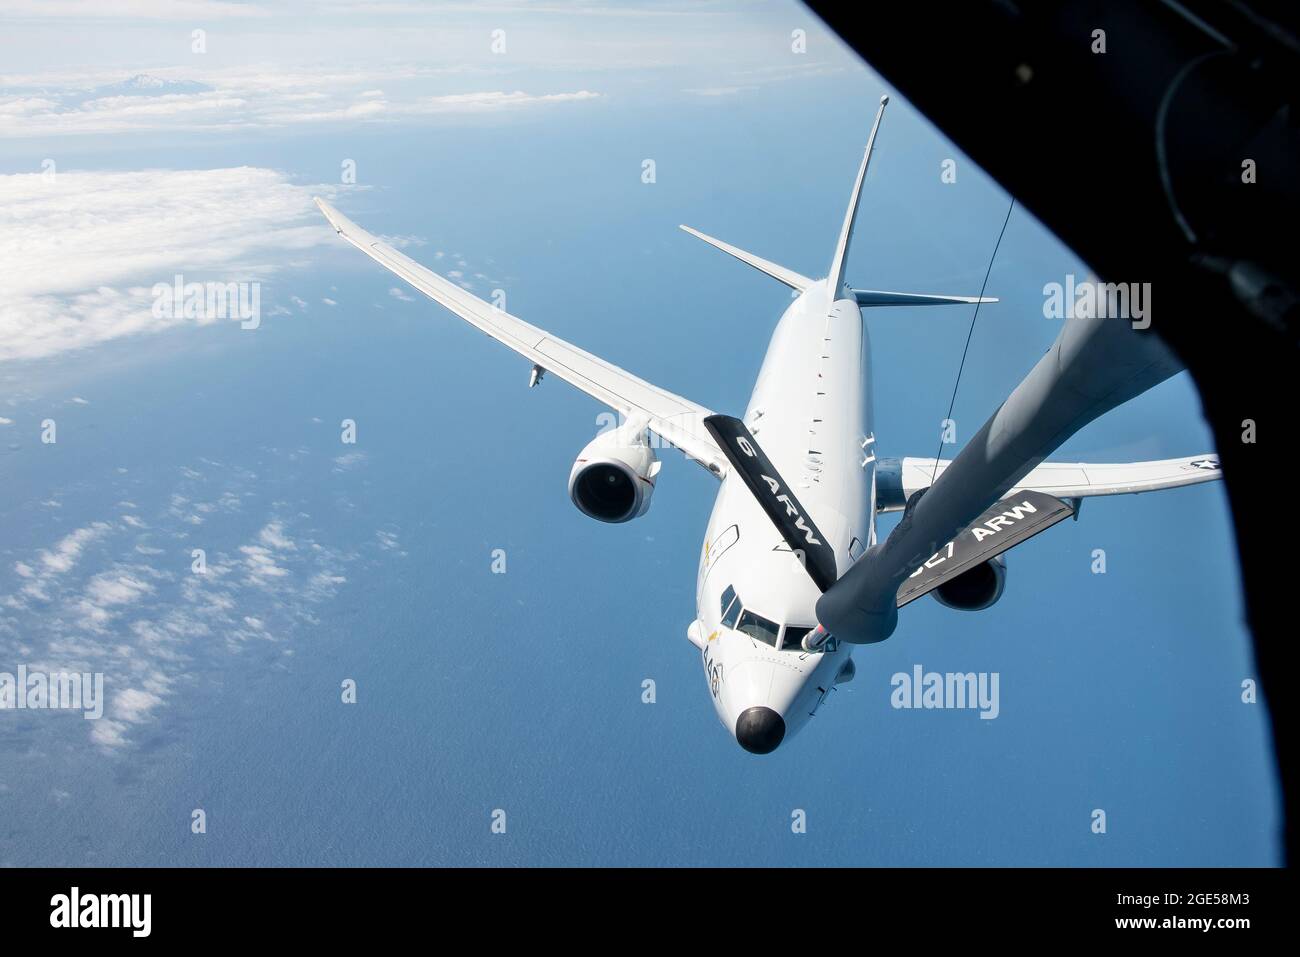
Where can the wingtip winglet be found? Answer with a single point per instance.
(332, 215)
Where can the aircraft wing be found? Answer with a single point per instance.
(898, 479)
(671, 417)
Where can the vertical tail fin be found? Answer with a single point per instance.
(836, 277)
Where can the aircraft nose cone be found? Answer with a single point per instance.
(759, 730)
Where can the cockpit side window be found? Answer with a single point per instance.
(758, 627)
(730, 607)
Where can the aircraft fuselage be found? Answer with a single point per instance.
(811, 409)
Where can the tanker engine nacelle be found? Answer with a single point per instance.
(975, 589)
(613, 477)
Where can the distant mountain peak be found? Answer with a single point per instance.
(146, 84)
(144, 81)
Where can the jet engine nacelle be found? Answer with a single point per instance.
(974, 589)
(613, 477)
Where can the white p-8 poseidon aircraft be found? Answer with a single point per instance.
(791, 576)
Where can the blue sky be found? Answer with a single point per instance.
(521, 171)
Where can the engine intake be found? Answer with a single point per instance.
(974, 589)
(613, 477)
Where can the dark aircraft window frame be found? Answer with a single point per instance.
(731, 610)
(764, 629)
(728, 596)
(792, 637)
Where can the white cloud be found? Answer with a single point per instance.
(272, 535)
(719, 90)
(116, 588)
(260, 564)
(4, 421)
(65, 554)
(133, 9)
(375, 110)
(133, 705)
(242, 98)
(108, 590)
(397, 293)
(324, 585)
(348, 460)
(153, 629)
(83, 251)
(108, 734)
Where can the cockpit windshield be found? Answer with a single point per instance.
(793, 640)
(756, 626)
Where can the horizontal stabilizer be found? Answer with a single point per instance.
(779, 273)
(879, 297)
